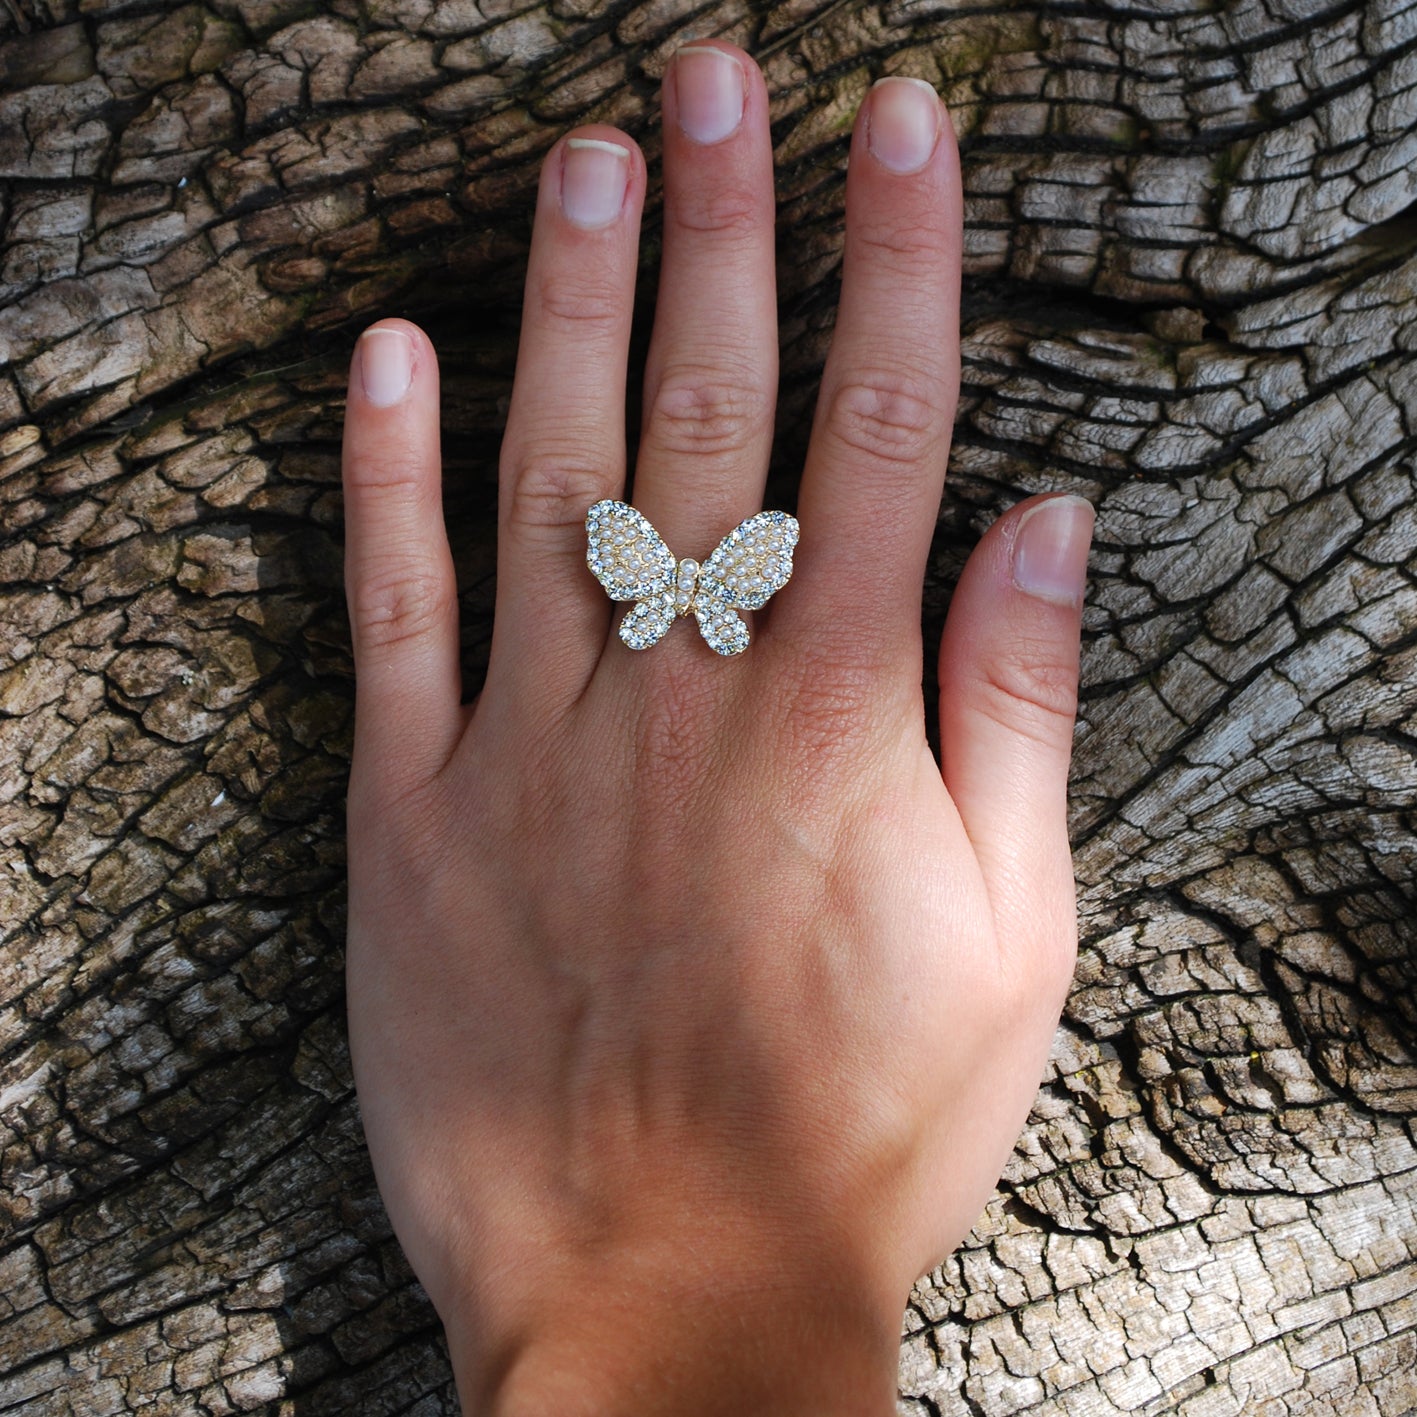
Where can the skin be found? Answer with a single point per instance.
(694, 1007)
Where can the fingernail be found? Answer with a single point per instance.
(385, 365)
(903, 125)
(708, 91)
(1050, 549)
(593, 178)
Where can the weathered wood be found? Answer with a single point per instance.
(1191, 296)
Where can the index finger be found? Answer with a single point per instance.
(876, 465)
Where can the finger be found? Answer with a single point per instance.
(711, 377)
(876, 463)
(399, 577)
(564, 448)
(1008, 702)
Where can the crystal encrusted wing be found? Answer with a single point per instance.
(626, 554)
(629, 558)
(752, 562)
(719, 623)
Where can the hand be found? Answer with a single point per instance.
(694, 1011)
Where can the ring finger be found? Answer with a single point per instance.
(564, 447)
(711, 376)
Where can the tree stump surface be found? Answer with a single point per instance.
(1191, 296)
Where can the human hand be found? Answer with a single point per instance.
(694, 1010)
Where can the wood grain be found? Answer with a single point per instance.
(1191, 296)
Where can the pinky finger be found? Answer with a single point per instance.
(399, 578)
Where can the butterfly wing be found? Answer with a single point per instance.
(753, 562)
(719, 623)
(626, 554)
(749, 565)
(629, 558)
(648, 622)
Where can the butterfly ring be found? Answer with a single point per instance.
(629, 558)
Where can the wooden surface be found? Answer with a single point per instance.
(1192, 263)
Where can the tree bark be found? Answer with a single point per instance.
(1191, 296)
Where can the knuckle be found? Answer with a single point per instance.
(553, 487)
(396, 604)
(831, 699)
(414, 819)
(884, 416)
(1025, 687)
(893, 243)
(392, 472)
(721, 212)
(673, 746)
(577, 299)
(700, 410)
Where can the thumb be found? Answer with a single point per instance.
(1008, 703)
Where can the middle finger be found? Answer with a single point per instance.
(711, 375)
